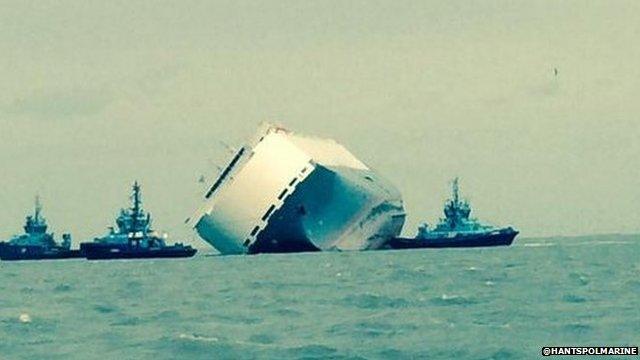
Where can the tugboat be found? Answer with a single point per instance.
(456, 229)
(134, 238)
(36, 243)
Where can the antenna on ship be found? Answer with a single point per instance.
(452, 210)
(136, 198)
(36, 224)
(455, 187)
(136, 207)
(38, 208)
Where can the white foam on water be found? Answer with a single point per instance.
(194, 337)
(538, 244)
(24, 318)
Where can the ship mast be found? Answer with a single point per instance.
(136, 207)
(36, 224)
(38, 209)
(453, 206)
(455, 188)
(136, 198)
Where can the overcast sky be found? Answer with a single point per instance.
(96, 94)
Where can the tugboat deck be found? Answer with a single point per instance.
(498, 238)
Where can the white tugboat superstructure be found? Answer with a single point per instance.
(286, 192)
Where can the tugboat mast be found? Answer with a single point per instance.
(455, 189)
(137, 202)
(456, 210)
(36, 224)
(38, 209)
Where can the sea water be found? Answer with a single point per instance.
(485, 303)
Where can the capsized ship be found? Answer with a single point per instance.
(36, 243)
(285, 192)
(134, 237)
(456, 229)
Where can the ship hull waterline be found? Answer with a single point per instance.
(109, 252)
(459, 241)
(19, 253)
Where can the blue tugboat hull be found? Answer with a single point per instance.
(500, 238)
(10, 252)
(96, 251)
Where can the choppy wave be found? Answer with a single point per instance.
(500, 303)
(196, 337)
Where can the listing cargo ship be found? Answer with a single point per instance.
(36, 243)
(134, 238)
(456, 229)
(285, 192)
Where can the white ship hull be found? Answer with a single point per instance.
(285, 192)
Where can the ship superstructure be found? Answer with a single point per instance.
(456, 218)
(285, 192)
(133, 225)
